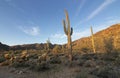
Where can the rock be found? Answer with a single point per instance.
(20, 72)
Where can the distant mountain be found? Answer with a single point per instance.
(3, 47)
(80, 44)
(111, 32)
(36, 46)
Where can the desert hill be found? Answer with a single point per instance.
(113, 32)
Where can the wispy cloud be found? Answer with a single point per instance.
(96, 11)
(82, 3)
(100, 8)
(34, 31)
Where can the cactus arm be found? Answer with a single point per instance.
(66, 13)
(71, 31)
(65, 30)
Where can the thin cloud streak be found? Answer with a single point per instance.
(80, 7)
(96, 11)
(100, 8)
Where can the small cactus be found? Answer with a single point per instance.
(68, 31)
(93, 43)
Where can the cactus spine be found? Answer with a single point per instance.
(93, 43)
(68, 31)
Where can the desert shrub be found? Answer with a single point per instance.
(7, 56)
(32, 63)
(20, 64)
(57, 49)
(85, 50)
(117, 61)
(33, 56)
(17, 62)
(109, 57)
(5, 63)
(100, 62)
(108, 44)
(89, 63)
(106, 72)
(81, 62)
(43, 66)
(55, 60)
(2, 59)
(87, 56)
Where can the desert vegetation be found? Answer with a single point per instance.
(97, 56)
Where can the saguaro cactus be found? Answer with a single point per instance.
(93, 43)
(48, 45)
(68, 31)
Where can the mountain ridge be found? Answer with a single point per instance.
(84, 42)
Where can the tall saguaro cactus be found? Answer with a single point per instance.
(93, 43)
(68, 31)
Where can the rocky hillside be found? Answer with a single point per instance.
(112, 32)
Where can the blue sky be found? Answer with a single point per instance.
(34, 21)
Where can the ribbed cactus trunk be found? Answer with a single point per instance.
(93, 42)
(68, 31)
